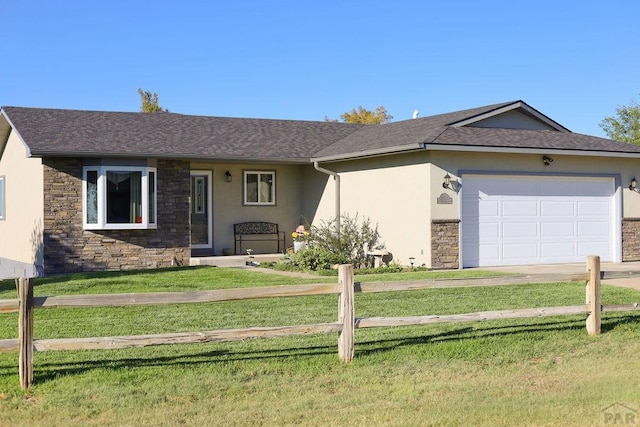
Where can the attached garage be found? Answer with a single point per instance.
(538, 219)
(492, 186)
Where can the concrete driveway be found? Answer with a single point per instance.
(632, 268)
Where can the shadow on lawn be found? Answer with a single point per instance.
(45, 372)
(467, 333)
(8, 285)
(470, 332)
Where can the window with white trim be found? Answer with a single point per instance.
(259, 188)
(118, 197)
(2, 193)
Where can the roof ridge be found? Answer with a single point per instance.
(479, 111)
(62, 132)
(172, 113)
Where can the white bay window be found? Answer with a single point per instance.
(119, 197)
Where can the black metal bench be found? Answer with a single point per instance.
(257, 231)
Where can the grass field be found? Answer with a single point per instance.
(543, 371)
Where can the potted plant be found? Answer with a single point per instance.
(300, 237)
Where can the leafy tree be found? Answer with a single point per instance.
(625, 125)
(363, 116)
(149, 102)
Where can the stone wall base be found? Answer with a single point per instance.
(68, 248)
(445, 244)
(445, 248)
(631, 239)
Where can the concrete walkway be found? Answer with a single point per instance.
(531, 271)
(633, 268)
(299, 274)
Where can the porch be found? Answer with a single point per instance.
(233, 260)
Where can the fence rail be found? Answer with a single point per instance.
(482, 316)
(344, 326)
(162, 298)
(120, 342)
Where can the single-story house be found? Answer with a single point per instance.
(501, 184)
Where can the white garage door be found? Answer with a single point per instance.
(510, 220)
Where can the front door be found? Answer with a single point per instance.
(201, 210)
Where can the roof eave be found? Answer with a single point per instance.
(528, 150)
(370, 153)
(191, 157)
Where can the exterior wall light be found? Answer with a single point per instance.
(450, 183)
(228, 176)
(447, 182)
(634, 185)
(547, 160)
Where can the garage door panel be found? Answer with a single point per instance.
(489, 208)
(593, 229)
(519, 250)
(519, 230)
(589, 208)
(557, 249)
(489, 231)
(519, 208)
(509, 220)
(489, 252)
(558, 229)
(557, 208)
(593, 247)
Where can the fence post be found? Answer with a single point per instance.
(346, 316)
(25, 331)
(593, 296)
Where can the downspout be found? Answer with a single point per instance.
(336, 178)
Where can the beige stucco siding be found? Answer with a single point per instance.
(401, 192)
(512, 120)
(21, 230)
(228, 207)
(456, 162)
(393, 192)
(626, 204)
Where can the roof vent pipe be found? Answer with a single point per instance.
(336, 178)
(415, 114)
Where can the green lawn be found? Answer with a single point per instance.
(543, 371)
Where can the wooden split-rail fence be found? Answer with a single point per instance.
(344, 326)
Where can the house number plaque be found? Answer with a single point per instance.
(444, 199)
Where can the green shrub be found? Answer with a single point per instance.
(284, 264)
(365, 271)
(351, 246)
(318, 258)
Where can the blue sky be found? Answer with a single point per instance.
(574, 61)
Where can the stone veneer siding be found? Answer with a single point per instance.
(69, 248)
(445, 244)
(631, 239)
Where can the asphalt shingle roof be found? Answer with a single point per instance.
(532, 139)
(400, 134)
(99, 133)
(442, 130)
(87, 133)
